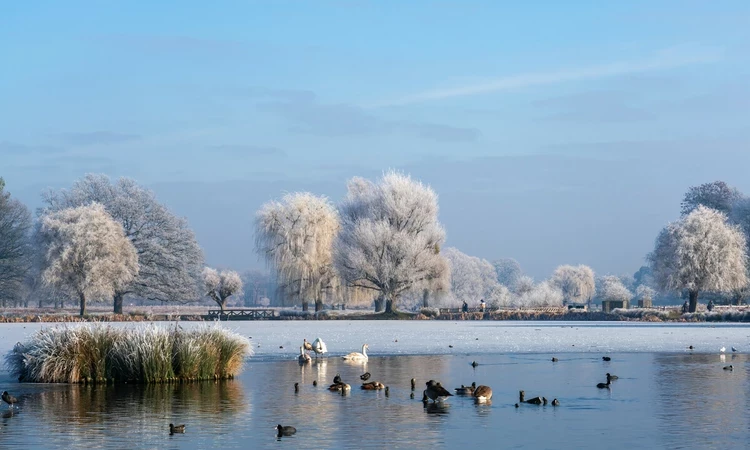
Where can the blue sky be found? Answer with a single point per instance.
(554, 132)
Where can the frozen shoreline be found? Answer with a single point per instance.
(386, 338)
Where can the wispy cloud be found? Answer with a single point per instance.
(97, 138)
(666, 59)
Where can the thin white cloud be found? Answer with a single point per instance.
(667, 59)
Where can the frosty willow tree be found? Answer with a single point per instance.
(295, 237)
(576, 282)
(168, 254)
(87, 253)
(700, 252)
(390, 238)
(222, 285)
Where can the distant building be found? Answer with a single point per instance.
(609, 305)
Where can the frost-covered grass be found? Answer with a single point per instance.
(719, 316)
(647, 314)
(145, 354)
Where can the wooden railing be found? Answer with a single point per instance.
(241, 314)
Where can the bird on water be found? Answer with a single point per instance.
(436, 391)
(285, 431)
(365, 376)
(357, 356)
(9, 399)
(482, 394)
(176, 428)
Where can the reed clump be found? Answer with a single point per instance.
(143, 354)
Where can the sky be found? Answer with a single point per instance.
(553, 132)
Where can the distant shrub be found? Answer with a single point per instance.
(295, 313)
(146, 354)
(430, 312)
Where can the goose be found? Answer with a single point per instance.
(176, 428)
(9, 399)
(413, 384)
(308, 346)
(319, 347)
(436, 391)
(303, 357)
(474, 364)
(603, 385)
(337, 379)
(482, 394)
(285, 431)
(356, 356)
(373, 386)
(555, 402)
(611, 377)
(466, 390)
(365, 376)
(535, 401)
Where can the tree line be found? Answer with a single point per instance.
(381, 245)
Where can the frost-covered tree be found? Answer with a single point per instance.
(700, 252)
(525, 284)
(643, 292)
(255, 286)
(508, 271)
(295, 237)
(15, 251)
(576, 283)
(716, 195)
(473, 279)
(168, 254)
(644, 276)
(544, 294)
(612, 288)
(222, 285)
(87, 253)
(390, 237)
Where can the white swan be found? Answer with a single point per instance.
(723, 349)
(356, 356)
(303, 357)
(319, 347)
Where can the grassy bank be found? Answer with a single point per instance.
(143, 354)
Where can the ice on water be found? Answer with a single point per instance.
(466, 337)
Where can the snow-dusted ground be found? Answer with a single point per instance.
(466, 337)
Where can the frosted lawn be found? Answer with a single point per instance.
(466, 337)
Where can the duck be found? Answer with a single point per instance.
(425, 398)
(315, 382)
(466, 390)
(413, 384)
(436, 391)
(356, 356)
(285, 431)
(319, 347)
(340, 387)
(296, 388)
(555, 402)
(337, 379)
(482, 394)
(554, 359)
(9, 399)
(176, 428)
(729, 367)
(373, 386)
(303, 356)
(474, 364)
(308, 346)
(611, 377)
(535, 401)
(734, 349)
(603, 385)
(365, 376)
(606, 358)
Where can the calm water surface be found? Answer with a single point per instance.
(662, 400)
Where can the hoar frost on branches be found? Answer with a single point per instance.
(576, 282)
(508, 272)
(87, 252)
(546, 293)
(700, 252)
(390, 237)
(612, 288)
(473, 279)
(15, 251)
(168, 254)
(221, 286)
(295, 236)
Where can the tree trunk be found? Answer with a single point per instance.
(693, 301)
(118, 303)
(82, 299)
(223, 305)
(318, 305)
(389, 306)
(305, 305)
(426, 298)
(379, 303)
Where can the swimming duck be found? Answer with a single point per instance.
(535, 401)
(606, 358)
(176, 428)
(466, 390)
(357, 356)
(611, 377)
(337, 379)
(365, 376)
(554, 359)
(603, 385)
(436, 391)
(373, 386)
(340, 387)
(482, 394)
(555, 402)
(303, 356)
(285, 431)
(729, 367)
(474, 364)
(9, 399)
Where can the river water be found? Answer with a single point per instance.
(667, 396)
